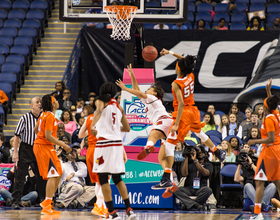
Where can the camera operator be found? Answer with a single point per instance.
(246, 163)
(197, 169)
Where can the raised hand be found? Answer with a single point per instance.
(129, 70)
(120, 84)
(164, 52)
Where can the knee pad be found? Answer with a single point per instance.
(103, 178)
(116, 178)
(202, 136)
(169, 149)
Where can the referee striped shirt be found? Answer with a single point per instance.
(25, 128)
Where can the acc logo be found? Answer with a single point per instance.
(136, 107)
(76, 2)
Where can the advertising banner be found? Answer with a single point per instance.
(4, 182)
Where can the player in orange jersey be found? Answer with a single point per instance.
(48, 162)
(268, 166)
(100, 206)
(186, 117)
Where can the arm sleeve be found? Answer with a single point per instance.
(20, 126)
(82, 171)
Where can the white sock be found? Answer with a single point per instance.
(150, 143)
(48, 198)
(99, 196)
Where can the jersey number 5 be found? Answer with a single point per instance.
(188, 90)
(114, 119)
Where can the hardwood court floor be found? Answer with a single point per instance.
(85, 214)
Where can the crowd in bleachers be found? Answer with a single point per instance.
(22, 25)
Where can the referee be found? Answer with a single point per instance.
(25, 156)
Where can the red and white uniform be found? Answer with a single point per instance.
(108, 155)
(157, 114)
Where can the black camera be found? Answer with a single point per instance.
(243, 156)
(189, 150)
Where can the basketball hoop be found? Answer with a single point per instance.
(121, 16)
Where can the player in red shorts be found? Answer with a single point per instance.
(186, 117)
(48, 162)
(268, 166)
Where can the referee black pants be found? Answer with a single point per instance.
(27, 158)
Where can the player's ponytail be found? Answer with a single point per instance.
(187, 64)
(272, 103)
(47, 103)
(107, 91)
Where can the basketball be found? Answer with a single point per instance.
(149, 53)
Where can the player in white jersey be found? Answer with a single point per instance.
(156, 113)
(107, 124)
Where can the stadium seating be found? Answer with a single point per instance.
(273, 8)
(218, 16)
(36, 15)
(257, 7)
(190, 17)
(239, 18)
(9, 31)
(17, 58)
(16, 23)
(1, 24)
(8, 89)
(34, 24)
(11, 78)
(215, 133)
(7, 5)
(2, 59)
(258, 1)
(23, 5)
(15, 68)
(238, 26)
(17, 14)
(191, 8)
(6, 40)
(204, 7)
(205, 16)
(23, 50)
(4, 49)
(240, 8)
(242, 2)
(207, 26)
(41, 5)
(3, 14)
(222, 8)
(271, 17)
(25, 41)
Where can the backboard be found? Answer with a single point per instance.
(153, 11)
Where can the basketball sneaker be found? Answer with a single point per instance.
(163, 184)
(45, 203)
(98, 211)
(169, 191)
(113, 215)
(48, 210)
(130, 214)
(257, 217)
(144, 153)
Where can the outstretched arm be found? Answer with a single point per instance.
(138, 93)
(268, 88)
(133, 79)
(164, 52)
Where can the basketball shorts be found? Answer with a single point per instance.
(48, 162)
(89, 160)
(163, 124)
(190, 120)
(268, 166)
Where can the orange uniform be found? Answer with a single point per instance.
(90, 151)
(190, 119)
(3, 97)
(48, 162)
(268, 166)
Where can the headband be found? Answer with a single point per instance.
(265, 103)
(52, 98)
(178, 66)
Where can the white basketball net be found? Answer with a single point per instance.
(121, 18)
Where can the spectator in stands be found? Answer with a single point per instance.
(221, 26)
(72, 184)
(213, 157)
(254, 133)
(118, 98)
(179, 26)
(87, 110)
(161, 26)
(65, 139)
(73, 111)
(208, 119)
(254, 121)
(29, 194)
(197, 169)
(67, 120)
(230, 155)
(4, 150)
(65, 103)
(235, 145)
(59, 88)
(276, 25)
(255, 24)
(260, 112)
(91, 99)
(80, 105)
(224, 122)
(4, 103)
(233, 128)
(235, 110)
(201, 24)
(189, 137)
(12, 140)
(248, 167)
(217, 117)
(61, 132)
(82, 149)
(75, 135)
(248, 113)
